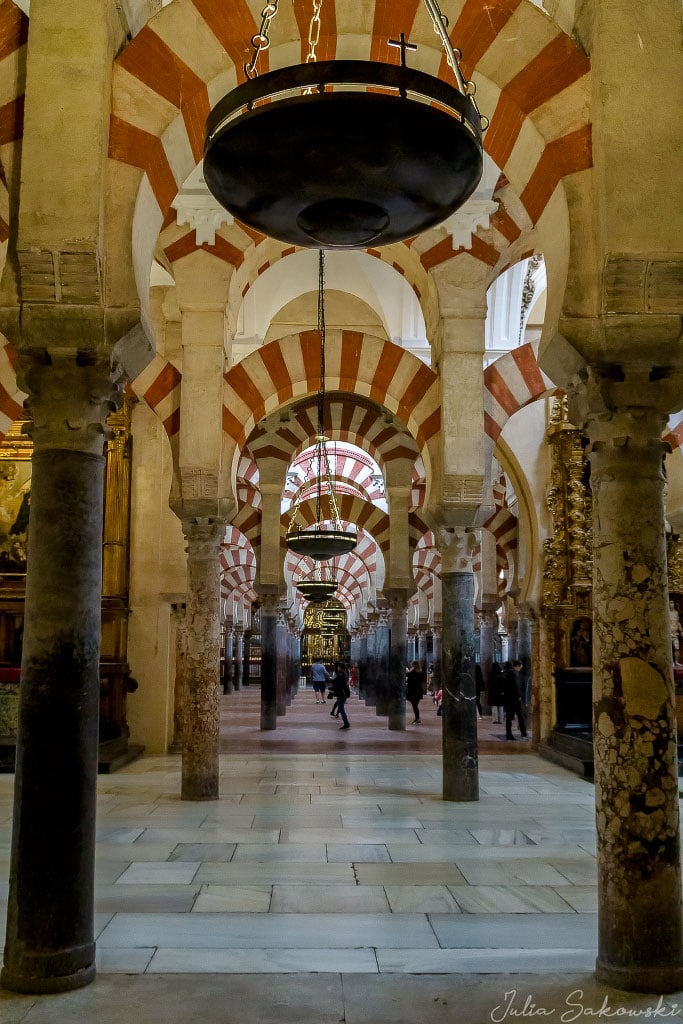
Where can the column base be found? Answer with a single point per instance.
(659, 980)
(32, 984)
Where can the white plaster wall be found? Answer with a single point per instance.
(157, 575)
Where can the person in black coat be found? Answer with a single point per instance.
(341, 690)
(415, 688)
(512, 699)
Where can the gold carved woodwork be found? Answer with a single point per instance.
(567, 562)
(675, 564)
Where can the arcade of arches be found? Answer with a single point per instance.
(503, 396)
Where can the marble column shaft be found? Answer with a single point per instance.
(238, 676)
(202, 617)
(370, 685)
(180, 681)
(228, 686)
(282, 664)
(269, 614)
(398, 656)
(382, 668)
(50, 943)
(640, 942)
(459, 720)
(488, 629)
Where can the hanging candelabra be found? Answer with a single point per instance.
(345, 153)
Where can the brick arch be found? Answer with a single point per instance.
(356, 363)
(171, 87)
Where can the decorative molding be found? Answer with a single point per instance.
(202, 214)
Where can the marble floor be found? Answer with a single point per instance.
(337, 886)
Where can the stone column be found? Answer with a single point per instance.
(363, 666)
(436, 658)
(524, 649)
(282, 662)
(459, 720)
(488, 631)
(269, 612)
(202, 620)
(50, 944)
(382, 641)
(228, 685)
(640, 936)
(370, 685)
(180, 683)
(238, 678)
(398, 656)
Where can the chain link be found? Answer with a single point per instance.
(261, 40)
(314, 31)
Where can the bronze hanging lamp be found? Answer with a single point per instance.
(327, 537)
(342, 154)
(321, 586)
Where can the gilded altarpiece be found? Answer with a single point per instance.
(567, 575)
(115, 680)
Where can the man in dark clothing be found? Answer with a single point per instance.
(341, 690)
(512, 700)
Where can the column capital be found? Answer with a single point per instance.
(619, 405)
(70, 395)
(457, 548)
(204, 538)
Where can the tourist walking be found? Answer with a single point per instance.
(414, 688)
(512, 698)
(320, 677)
(341, 691)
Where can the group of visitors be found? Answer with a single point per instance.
(338, 681)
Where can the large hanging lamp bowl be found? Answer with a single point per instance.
(317, 590)
(320, 544)
(374, 154)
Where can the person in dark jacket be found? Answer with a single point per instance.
(496, 698)
(415, 688)
(512, 699)
(341, 690)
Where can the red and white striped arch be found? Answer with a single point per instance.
(387, 374)
(510, 383)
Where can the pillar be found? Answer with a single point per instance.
(281, 662)
(269, 613)
(459, 720)
(524, 649)
(398, 656)
(640, 935)
(488, 632)
(50, 943)
(363, 664)
(238, 677)
(382, 647)
(370, 685)
(228, 685)
(199, 776)
(180, 681)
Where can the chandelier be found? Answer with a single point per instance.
(344, 153)
(327, 537)
(320, 587)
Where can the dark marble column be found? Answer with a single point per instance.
(269, 613)
(370, 674)
(202, 695)
(398, 655)
(282, 659)
(524, 651)
(459, 721)
(50, 944)
(180, 683)
(488, 631)
(382, 644)
(228, 685)
(640, 937)
(238, 675)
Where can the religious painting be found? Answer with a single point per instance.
(581, 643)
(15, 501)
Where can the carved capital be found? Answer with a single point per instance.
(204, 539)
(456, 547)
(70, 395)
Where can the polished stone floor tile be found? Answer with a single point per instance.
(361, 853)
(198, 852)
(249, 899)
(330, 899)
(123, 961)
(409, 874)
(525, 872)
(510, 899)
(420, 899)
(515, 931)
(255, 873)
(263, 961)
(158, 873)
(253, 931)
(582, 898)
(145, 899)
(267, 853)
(484, 961)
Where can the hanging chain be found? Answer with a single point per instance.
(261, 41)
(314, 31)
(453, 57)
